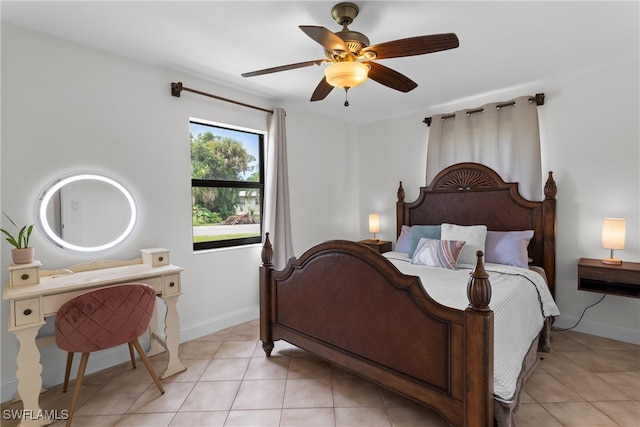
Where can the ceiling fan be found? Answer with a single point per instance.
(351, 57)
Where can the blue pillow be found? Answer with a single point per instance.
(422, 231)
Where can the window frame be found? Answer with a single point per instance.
(214, 183)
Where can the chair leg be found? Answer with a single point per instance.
(67, 371)
(133, 356)
(76, 391)
(146, 362)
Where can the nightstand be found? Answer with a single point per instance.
(380, 246)
(623, 279)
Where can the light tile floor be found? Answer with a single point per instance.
(586, 381)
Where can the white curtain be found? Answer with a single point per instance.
(505, 138)
(277, 221)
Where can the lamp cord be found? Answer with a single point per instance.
(581, 316)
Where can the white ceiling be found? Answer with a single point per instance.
(502, 44)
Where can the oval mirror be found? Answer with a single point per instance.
(87, 212)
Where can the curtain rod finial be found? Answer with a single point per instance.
(427, 120)
(539, 98)
(176, 88)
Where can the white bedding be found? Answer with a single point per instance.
(520, 300)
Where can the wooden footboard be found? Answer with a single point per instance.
(349, 305)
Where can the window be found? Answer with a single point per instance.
(227, 185)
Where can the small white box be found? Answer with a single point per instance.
(155, 257)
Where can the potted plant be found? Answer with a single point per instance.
(22, 252)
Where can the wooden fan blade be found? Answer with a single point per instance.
(326, 38)
(284, 68)
(322, 90)
(413, 46)
(391, 78)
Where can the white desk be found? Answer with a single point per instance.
(30, 304)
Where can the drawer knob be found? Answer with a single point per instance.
(160, 258)
(171, 285)
(24, 276)
(27, 312)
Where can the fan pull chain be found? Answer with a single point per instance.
(346, 96)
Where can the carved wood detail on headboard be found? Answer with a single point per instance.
(465, 179)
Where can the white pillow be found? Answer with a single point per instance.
(474, 236)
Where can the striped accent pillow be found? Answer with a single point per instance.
(438, 253)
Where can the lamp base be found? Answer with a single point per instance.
(374, 240)
(612, 261)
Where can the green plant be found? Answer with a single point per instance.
(22, 241)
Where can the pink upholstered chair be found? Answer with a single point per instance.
(102, 319)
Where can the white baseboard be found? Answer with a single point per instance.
(54, 375)
(218, 323)
(600, 329)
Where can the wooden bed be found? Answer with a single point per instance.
(348, 304)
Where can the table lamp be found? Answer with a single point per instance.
(613, 230)
(374, 225)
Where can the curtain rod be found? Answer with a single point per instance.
(539, 100)
(176, 88)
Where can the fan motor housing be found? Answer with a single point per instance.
(354, 39)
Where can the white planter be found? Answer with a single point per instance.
(23, 256)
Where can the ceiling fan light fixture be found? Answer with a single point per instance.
(348, 74)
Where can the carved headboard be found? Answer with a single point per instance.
(471, 194)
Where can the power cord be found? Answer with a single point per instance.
(581, 316)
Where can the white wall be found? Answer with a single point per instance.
(68, 108)
(591, 142)
(322, 179)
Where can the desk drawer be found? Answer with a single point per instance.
(27, 311)
(156, 282)
(171, 284)
(53, 302)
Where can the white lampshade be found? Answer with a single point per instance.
(374, 223)
(613, 232)
(347, 74)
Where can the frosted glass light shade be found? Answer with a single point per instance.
(348, 74)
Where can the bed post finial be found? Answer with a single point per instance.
(550, 188)
(267, 252)
(400, 193)
(479, 287)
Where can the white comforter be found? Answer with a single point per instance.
(520, 300)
